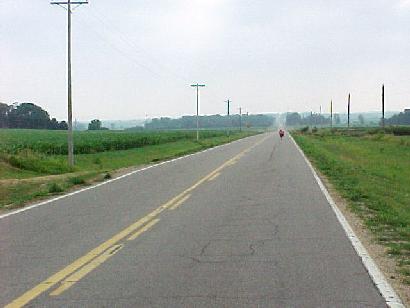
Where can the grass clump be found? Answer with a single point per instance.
(76, 180)
(31, 161)
(55, 188)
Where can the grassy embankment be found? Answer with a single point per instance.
(372, 171)
(33, 162)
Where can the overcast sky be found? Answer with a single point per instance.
(133, 58)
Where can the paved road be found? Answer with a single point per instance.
(242, 225)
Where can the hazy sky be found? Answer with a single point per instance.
(133, 58)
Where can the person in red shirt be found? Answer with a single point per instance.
(281, 133)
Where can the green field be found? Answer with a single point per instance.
(33, 163)
(372, 171)
(51, 142)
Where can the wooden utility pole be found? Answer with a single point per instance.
(197, 107)
(331, 113)
(320, 115)
(348, 111)
(70, 141)
(383, 106)
(240, 119)
(229, 117)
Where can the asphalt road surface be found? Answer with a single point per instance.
(241, 225)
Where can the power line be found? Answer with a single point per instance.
(101, 18)
(127, 40)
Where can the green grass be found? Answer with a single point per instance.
(372, 171)
(55, 188)
(14, 141)
(28, 175)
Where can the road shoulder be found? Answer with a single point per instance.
(376, 252)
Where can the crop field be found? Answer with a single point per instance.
(33, 163)
(371, 171)
(14, 141)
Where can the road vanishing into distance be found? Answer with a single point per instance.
(240, 225)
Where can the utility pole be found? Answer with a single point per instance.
(348, 111)
(311, 118)
(320, 115)
(70, 142)
(383, 106)
(240, 119)
(331, 113)
(197, 107)
(229, 117)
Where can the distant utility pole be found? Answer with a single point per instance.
(311, 118)
(240, 119)
(331, 113)
(70, 142)
(229, 117)
(320, 115)
(383, 106)
(348, 111)
(197, 107)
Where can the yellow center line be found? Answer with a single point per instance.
(57, 277)
(143, 229)
(69, 281)
(179, 202)
(214, 176)
(99, 250)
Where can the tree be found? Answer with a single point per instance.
(361, 119)
(403, 118)
(28, 115)
(63, 125)
(94, 125)
(4, 110)
(293, 119)
(211, 121)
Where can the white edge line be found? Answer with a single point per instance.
(385, 289)
(118, 178)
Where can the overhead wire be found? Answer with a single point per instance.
(123, 37)
(114, 31)
(101, 17)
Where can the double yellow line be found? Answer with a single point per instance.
(75, 271)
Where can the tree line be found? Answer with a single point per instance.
(28, 115)
(403, 118)
(212, 121)
(295, 119)
(314, 119)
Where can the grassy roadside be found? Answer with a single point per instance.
(372, 172)
(19, 186)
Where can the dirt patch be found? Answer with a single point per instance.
(43, 180)
(377, 251)
(40, 179)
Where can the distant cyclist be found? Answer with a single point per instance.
(281, 133)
